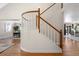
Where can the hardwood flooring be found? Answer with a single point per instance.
(70, 48)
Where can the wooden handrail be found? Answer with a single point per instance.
(50, 24)
(28, 12)
(47, 8)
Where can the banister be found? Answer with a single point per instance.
(38, 21)
(61, 5)
(40, 17)
(28, 12)
(61, 41)
(47, 8)
(60, 32)
(50, 25)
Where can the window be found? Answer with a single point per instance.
(7, 26)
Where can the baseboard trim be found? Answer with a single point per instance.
(23, 53)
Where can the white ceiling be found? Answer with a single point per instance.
(2, 5)
(71, 12)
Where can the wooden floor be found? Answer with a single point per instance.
(70, 48)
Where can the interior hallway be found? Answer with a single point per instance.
(70, 48)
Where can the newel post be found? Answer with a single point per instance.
(38, 20)
(61, 43)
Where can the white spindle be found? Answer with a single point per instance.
(51, 33)
(54, 36)
(43, 27)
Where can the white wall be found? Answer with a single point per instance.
(1, 27)
(71, 13)
(14, 11)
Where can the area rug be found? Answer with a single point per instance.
(4, 47)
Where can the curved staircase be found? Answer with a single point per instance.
(33, 40)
